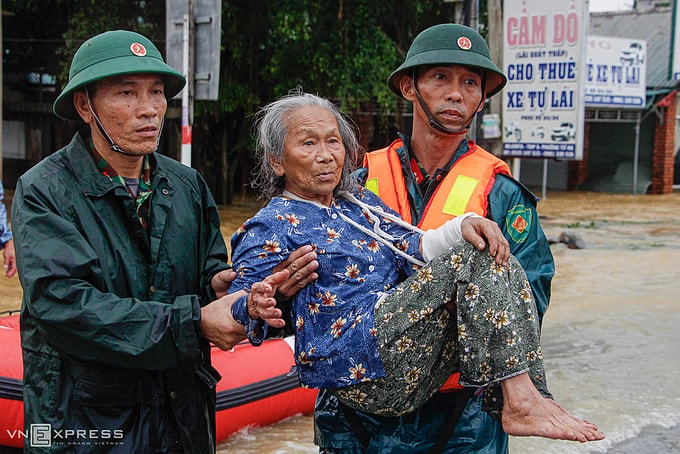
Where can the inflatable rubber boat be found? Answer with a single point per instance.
(258, 386)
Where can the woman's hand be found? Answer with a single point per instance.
(261, 300)
(301, 265)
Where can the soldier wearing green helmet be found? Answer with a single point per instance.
(432, 175)
(122, 261)
(110, 54)
(435, 46)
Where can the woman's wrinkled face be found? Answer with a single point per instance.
(313, 155)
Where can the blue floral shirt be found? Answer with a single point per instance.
(335, 341)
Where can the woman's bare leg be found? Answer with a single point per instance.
(527, 413)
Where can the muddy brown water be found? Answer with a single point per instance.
(610, 337)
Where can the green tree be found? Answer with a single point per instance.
(340, 49)
(48, 32)
(335, 49)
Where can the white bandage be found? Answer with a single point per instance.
(436, 241)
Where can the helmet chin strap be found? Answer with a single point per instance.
(108, 138)
(431, 120)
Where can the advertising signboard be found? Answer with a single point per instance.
(544, 52)
(615, 72)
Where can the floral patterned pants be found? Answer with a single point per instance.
(492, 334)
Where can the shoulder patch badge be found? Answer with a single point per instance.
(518, 223)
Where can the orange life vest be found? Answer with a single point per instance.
(464, 189)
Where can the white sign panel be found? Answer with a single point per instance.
(491, 126)
(543, 56)
(616, 72)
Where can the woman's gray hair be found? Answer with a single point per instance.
(270, 129)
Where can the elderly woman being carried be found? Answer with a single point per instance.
(394, 310)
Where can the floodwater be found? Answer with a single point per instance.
(610, 338)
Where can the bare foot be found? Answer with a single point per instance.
(527, 413)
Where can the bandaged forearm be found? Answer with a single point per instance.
(436, 241)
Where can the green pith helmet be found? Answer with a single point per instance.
(450, 44)
(114, 53)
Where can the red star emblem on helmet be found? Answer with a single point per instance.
(464, 43)
(138, 49)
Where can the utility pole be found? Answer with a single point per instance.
(193, 34)
(187, 92)
(465, 12)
